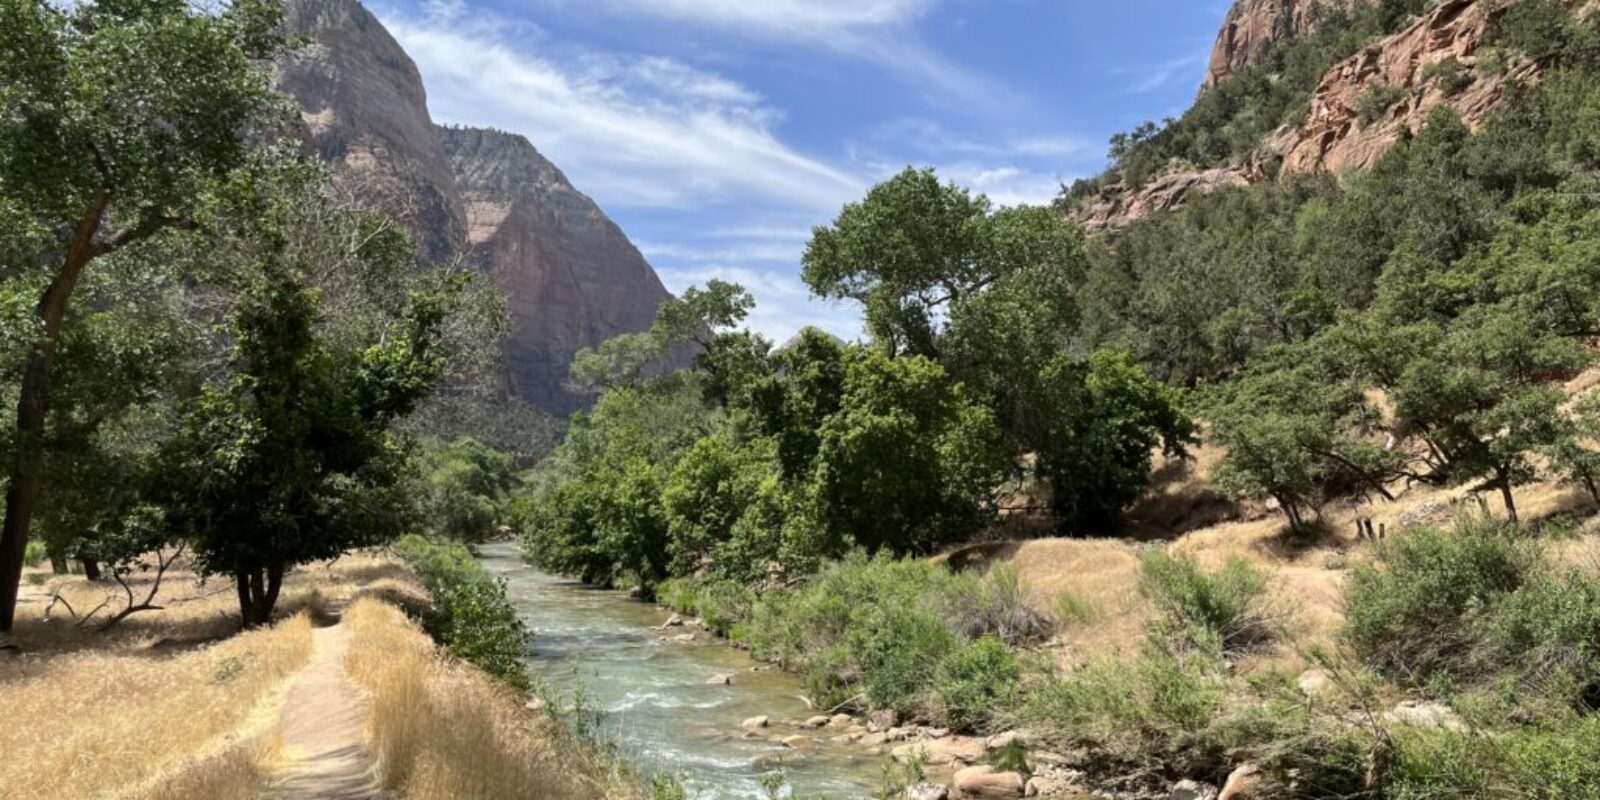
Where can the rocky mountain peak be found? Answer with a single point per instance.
(1253, 26)
(572, 277)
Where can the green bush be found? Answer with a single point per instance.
(1415, 611)
(470, 613)
(901, 634)
(977, 683)
(720, 604)
(1555, 761)
(1375, 102)
(1220, 610)
(35, 554)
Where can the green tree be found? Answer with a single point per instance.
(292, 458)
(117, 119)
(906, 463)
(463, 487)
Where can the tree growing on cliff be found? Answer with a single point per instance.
(116, 121)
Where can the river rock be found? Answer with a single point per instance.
(841, 721)
(794, 741)
(1425, 715)
(720, 680)
(1241, 783)
(756, 723)
(927, 791)
(1192, 790)
(983, 781)
(874, 739)
(883, 719)
(1003, 740)
(817, 721)
(674, 621)
(682, 638)
(941, 752)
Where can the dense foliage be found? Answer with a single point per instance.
(470, 612)
(761, 462)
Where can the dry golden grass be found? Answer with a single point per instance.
(441, 730)
(172, 704)
(151, 725)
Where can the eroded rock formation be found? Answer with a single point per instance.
(485, 197)
(1334, 138)
(1252, 26)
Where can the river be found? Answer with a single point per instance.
(653, 696)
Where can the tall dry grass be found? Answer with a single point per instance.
(442, 730)
(146, 725)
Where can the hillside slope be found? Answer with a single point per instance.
(1359, 108)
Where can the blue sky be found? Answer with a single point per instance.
(717, 133)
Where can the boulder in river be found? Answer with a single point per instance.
(941, 752)
(817, 721)
(720, 680)
(984, 781)
(883, 719)
(756, 723)
(927, 791)
(841, 721)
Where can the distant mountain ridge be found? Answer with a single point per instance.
(572, 276)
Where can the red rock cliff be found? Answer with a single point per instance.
(572, 277)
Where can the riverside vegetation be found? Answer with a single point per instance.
(1334, 343)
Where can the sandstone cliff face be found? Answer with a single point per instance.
(366, 112)
(1254, 25)
(1333, 138)
(572, 277)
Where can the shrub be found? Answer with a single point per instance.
(1135, 709)
(720, 604)
(1451, 75)
(35, 554)
(977, 682)
(1550, 761)
(1219, 609)
(1076, 609)
(1411, 613)
(1373, 103)
(883, 630)
(470, 613)
(996, 606)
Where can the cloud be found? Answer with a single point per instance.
(783, 303)
(781, 17)
(1150, 77)
(878, 31)
(634, 131)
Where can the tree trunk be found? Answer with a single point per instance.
(58, 564)
(91, 569)
(258, 594)
(1594, 491)
(1505, 494)
(33, 406)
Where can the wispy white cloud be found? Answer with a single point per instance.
(783, 303)
(1150, 77)
(780, 17)
(877, 31)
(634, 131)
(758, 251)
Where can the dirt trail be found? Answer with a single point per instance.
(324, 730)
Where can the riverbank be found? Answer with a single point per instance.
(176, 704)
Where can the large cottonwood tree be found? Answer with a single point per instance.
(117, 118)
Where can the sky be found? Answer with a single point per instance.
(719, 133)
